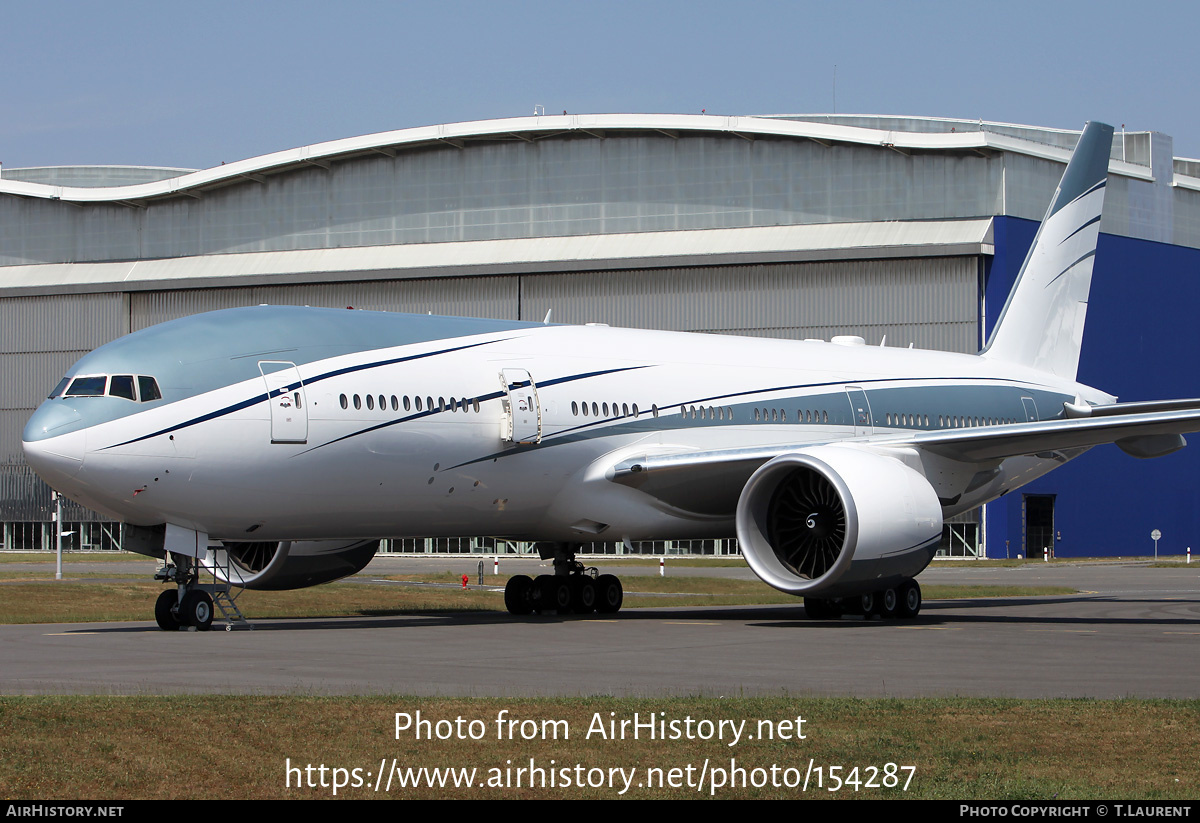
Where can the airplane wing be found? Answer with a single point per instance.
(711, 481)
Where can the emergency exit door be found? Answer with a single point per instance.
(524, 424)
(285, 398)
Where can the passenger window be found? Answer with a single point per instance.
(407, 404)
(605, 408)
(121, 385)
(395, 403)
(635, 410)
(88, 386)
(418, 404)
(475, 404)
(148, 387)
(624, 409)
(357, 402)
(595, 409)
(575, 408)
(371, 402)
(344, 401)
(296, 399)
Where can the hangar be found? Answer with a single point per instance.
(902, 230)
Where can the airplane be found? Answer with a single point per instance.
(274, 446)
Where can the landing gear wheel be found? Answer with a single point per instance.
(866, 604)
(539, 595)
(583, 595)
(560, 594)
(162, 611)
(887, 602)
(910, 600)
(518, 593)
(197, 610)
(611, 594)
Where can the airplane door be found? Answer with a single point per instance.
(524, 424)
(285, 398)
(860, 411)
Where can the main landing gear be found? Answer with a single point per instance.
(903, 602)
(573, 588)
(187, 605)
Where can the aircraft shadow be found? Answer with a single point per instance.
(933, 614)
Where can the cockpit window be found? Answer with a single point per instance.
(121, 385)
(149, 389)
(88, 386)
(128, 386)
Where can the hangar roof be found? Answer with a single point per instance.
(986, 139)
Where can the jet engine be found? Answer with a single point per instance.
(832, 521)
(289, 564)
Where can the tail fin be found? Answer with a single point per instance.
(1042, 322)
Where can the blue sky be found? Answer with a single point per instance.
(192, 85)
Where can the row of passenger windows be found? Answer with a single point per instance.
(946, 422)
(123, 383)
(139, 388)
(604, 410)
(462, 404)
(781, 416)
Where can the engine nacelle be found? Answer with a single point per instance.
(289, 564)
(833, 522)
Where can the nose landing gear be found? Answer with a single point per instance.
(189, 605)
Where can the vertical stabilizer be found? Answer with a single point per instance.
(1042, 322)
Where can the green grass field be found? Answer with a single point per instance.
(239, 747)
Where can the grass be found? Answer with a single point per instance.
(131, 747)
(73, 557)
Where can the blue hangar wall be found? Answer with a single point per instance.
(1141, 342)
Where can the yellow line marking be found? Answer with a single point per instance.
(1181, 632)
(687, 623)
(1068, 631)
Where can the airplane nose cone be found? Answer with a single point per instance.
(53, 442)
(51, 420)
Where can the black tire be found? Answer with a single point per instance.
(866, 603)
(197, 610)
(518, 594)
(887, 603)
(583, 595)
(162, 611)
(560, 594)
(611, 594)
(540, 594)
(910, 600)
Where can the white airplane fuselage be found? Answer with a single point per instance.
(213, 460)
